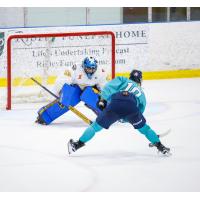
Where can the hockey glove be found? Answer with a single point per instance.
(96, 89)
(101, 104)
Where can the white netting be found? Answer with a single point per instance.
(44, 58)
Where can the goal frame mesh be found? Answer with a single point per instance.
(9, 53)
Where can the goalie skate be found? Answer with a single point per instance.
(40, 121)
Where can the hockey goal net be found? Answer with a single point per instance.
(45, 56)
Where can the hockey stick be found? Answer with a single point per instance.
(164, 133)
(74, 110)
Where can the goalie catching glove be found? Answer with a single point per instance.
(101, 104)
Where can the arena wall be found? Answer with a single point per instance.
(160, 50)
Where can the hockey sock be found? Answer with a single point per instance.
(90, 132)
(149, 134)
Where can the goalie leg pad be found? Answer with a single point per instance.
(90, 98)
(70, 95)
(52, 111)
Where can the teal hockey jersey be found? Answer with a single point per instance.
(121, 83)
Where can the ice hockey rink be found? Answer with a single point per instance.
(34, 158)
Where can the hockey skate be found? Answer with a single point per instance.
(40, 121)
(73, 146)
(162, 149)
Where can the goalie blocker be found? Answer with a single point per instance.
(70, 95)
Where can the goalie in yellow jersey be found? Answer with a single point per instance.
(81, 83)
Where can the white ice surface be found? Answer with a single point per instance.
(34, 158)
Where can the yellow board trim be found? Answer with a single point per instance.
(167, 74)
(26, 81)
(192, 73)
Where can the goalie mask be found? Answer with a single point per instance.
(136, 76)
(90, 66)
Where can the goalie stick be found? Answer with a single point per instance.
(74, 110)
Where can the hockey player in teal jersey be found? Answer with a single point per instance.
(122, 99)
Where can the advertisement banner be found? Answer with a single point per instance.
(150, 47)
(59, 53)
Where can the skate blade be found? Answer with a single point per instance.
(69, 146)
(168, 154)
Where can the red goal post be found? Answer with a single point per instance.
(51, 35)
